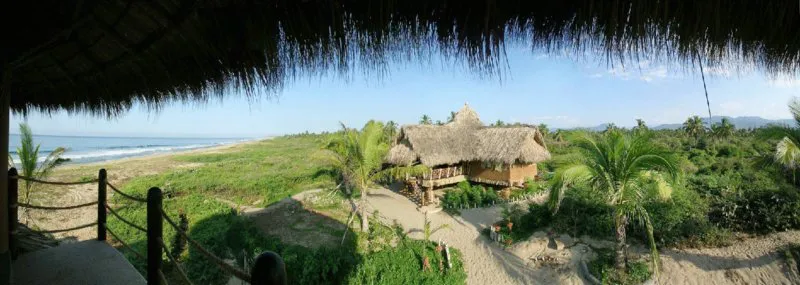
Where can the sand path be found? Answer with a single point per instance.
(485, 262)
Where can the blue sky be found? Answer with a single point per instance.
(558, 91)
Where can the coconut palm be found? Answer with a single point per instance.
(787, 150)
(29, 164)
(694, 126)
(723, 129)
(390, 130)
(623, 169)
(452, 117)
(425, 120)
(641, 126)
(358, 155)
(543, 129)
(611, 127)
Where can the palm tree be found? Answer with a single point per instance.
(29, 159)
(641, 126)
(439, 123)
(452, 117)
(390, 130)
(724, 129)
(787, 150)
(358, 155)
(425, 120)
(622, 169)
(499, 123)
(543, 129)
(694, 126)
(611, 127)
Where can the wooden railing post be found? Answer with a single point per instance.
(154, 235)
(13, 210)
(268, 268)
(101, 205)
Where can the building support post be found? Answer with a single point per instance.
(5, 252)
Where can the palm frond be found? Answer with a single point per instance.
(787, 153)
(564, 179)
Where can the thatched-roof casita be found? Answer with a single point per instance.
(101, 57)
(465, 149)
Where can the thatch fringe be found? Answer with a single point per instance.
(104, 56)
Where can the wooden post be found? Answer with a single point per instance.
(101, 205)
(13, 210)
(5, 114)
(154, 235)
(268, 268)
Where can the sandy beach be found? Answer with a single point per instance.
(119, 171)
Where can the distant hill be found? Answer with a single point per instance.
(745, 122)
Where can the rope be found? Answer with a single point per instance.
(52, 182)
(125, 221)
(177, 265)
(126, 195)
(128, 247)
(66, 230)
(221, 263)
(29, 206)
(703, 76)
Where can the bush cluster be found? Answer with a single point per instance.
(467, 196)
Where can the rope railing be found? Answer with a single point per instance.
(37, 207)
(175, 262)
(129, 223)
(20, 177)
(124, 244)
(220, 262)
(66, 230)
(141, 200)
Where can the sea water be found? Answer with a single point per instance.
(93, 149)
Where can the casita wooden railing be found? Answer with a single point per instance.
(267, 269)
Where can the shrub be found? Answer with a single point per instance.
(603, 268)
(757, 211)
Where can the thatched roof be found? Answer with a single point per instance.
(102, 56)
(466, 139)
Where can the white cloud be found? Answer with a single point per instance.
(643, 71)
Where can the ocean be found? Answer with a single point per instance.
(94, 149)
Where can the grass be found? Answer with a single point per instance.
(257, 174)
(263, 173)
(603, 269)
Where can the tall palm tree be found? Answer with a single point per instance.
(724, 129)
(611, 127)
(425, 120)
(358, 155)
(694, 126)
(787, 151)
(452, 117)
(543, 129)
(29, 159)
(641, 126)
(623, 169)
(390, 130)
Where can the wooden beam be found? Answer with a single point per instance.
(5, 100)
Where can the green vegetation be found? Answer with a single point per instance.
(268, 171)
(467, 196)
(622, 170)
(603, 269)
(254, 174)
(29, 159)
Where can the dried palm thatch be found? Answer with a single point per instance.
(466, 139)
(510, 145)
(102, 56)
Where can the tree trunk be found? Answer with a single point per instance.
(364, 218)
(621, 222)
